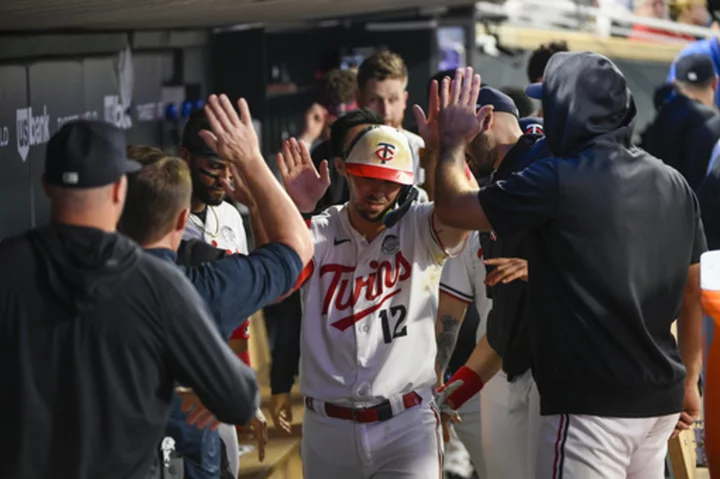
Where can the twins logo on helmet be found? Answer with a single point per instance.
(385, 151)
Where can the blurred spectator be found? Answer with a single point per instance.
(690, 12)
(706, 46)
(336, 96)
(524, 104)
(671, 136)
(539, 58)
(655, 9)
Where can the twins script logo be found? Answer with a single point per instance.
(385, 151)
(378, 286)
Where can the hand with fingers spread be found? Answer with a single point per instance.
(199, 415)
(428, 126)
(232, 137)
(302, 182)
(506, 270)
(459, 122)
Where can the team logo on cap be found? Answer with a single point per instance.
(534, 129)
(385, 151)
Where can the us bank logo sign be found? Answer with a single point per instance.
(32, 129)
(115, 113)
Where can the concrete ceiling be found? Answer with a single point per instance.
(39, 15)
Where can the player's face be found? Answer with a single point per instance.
(480, 155)
(387, 98)
(206, 174)
(370, 197)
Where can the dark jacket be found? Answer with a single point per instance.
(671, 135)
(93, 335)
(614, 231)
(507, 330)
(703, 143)
(234, 287)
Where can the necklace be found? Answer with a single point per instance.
(200, 224)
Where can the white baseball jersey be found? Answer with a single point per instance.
(369, 309)
(223, 228)
(463, 278)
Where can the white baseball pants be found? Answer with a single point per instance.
(592, 447)
(408, 445)
(510, 426)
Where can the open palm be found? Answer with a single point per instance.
(302, 181)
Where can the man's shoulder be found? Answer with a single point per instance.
(228, 212)
(414, 139)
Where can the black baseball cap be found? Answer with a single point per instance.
(499, 100)
(191, 138)
(87, 154)
(695, 69)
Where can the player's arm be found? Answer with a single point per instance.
(451, 312)
(690, 327)
(526, 200)
(238, 285)
(234, 138)
(480, 368)
(198, 357)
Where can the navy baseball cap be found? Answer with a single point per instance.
(87, 154)
(499, 100)
(531, 125)
(534, 90)
(695, 68)
(191, 138)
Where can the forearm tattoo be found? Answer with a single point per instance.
(446, 340)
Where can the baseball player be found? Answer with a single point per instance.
(600, 306)
(509, 401)
(219, 224)
(369, 304)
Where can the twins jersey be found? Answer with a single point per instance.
(369, 309)
(463, 278)
(223, 228)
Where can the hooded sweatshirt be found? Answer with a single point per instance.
(613, 233)
(93, 335)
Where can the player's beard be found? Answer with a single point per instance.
(482, 156)
(203, 192)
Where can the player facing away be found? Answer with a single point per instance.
(369, 305)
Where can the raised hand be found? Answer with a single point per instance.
(232, 138)
(458, 121)
(302, 181)
(428, 126)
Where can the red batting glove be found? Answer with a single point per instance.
(463, 385)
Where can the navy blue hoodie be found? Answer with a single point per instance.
(613, 232)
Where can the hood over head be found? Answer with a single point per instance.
(83, 266)
(584, 97)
